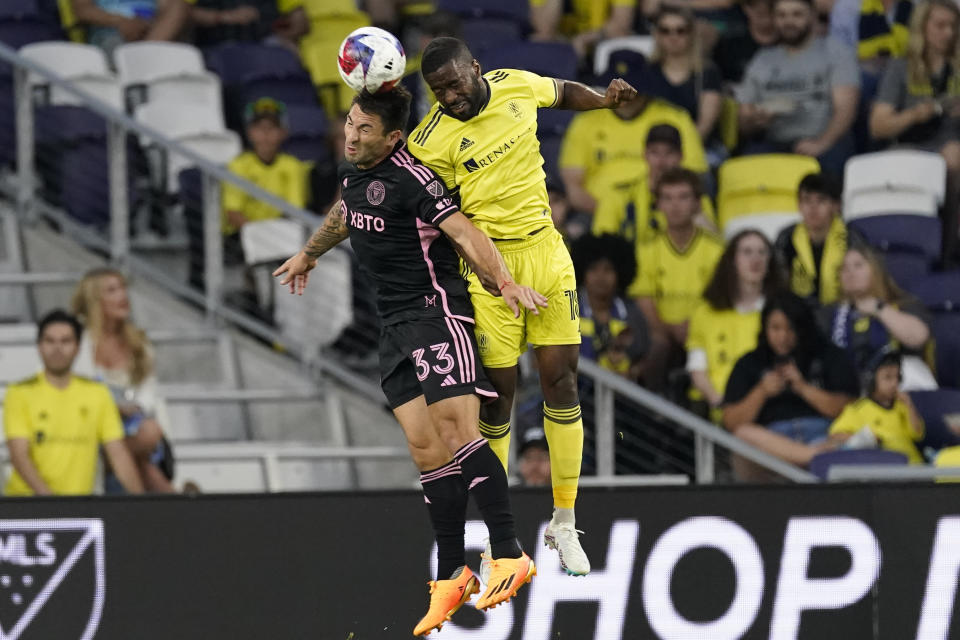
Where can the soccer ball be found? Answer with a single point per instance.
(371, 59)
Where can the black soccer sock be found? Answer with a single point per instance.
(485, 479)
(446, 498)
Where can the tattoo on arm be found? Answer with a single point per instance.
(328, 235)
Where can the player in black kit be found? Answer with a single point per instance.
(407, 232)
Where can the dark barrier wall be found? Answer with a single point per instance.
(851, 563)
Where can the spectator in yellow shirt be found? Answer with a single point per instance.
(266, 166)
(673, 268)
(604, 166)
(56, 421)
(885, 416)
(584, 22)
(725, 324)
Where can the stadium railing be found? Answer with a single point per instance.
(681, 443)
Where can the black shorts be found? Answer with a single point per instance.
(433, 357)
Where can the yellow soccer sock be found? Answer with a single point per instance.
(564, 429)
(498, 436)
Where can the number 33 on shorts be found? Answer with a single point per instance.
(443, 361)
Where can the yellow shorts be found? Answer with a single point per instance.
(541, 262)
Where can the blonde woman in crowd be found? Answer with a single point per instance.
(118, 352)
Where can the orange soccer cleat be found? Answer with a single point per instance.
(507, 575)
(446, 596)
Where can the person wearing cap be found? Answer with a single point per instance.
(266, 166)
(801, 96)
(602, 158)
(534, 458)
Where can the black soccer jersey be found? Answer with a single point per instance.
(393, 211)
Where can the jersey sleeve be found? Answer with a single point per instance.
(16, 423)
(109, 427)
(545, 89)
(846, 422)
(427, 195)
(696, 339)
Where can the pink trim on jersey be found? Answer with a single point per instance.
(400, 163)
(427, 235)
(485, 393)
(448, 209)
(424, 171)
(461, 356)
(451, 468)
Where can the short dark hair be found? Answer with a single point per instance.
(806, 2)
(392, 106)
(59, 316)
(588, 250)
(442, 50)
(665, 134)
(820, 183)
(681, 175)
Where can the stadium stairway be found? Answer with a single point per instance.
(242, 415)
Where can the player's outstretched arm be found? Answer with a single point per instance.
(296, 270)
(580, 97)
(482, 256)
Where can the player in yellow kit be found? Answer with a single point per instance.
(480, 138)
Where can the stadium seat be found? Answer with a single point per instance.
(906, 266)
(270, 240)
(8, 137)
(83, 64)
(16, 33)
(484, 33)
(553, 122)
(606, 48)
(769, 224)
(901, 233)
(145, 62)
(821, 463)
(18, 362)
(935, 407)
(554, 59)
(14, 10)
(946, 335)
(761, 184)
(201, 90)
(515, 10)
(939, 291)
(550, 150)
(308, 133)
(901, 181)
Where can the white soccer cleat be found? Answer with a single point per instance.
(485, 559)
(562, 535)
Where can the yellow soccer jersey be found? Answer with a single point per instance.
(285, 177)
(585, 15)
(65, 428)
(494, 158)
(890, 426)
(673, 279)
(723, 336)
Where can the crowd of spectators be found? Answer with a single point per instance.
(775, 333)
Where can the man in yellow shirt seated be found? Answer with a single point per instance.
(885, 416)
(604, 165)
(55, 422)
(674, 267)
(267, 167)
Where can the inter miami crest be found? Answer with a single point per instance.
(52, 580)
(376, 192)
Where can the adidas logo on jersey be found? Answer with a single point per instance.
(448, 381)
(465, 143)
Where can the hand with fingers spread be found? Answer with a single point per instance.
(296, 272)
(618, 92)
(515, 295)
